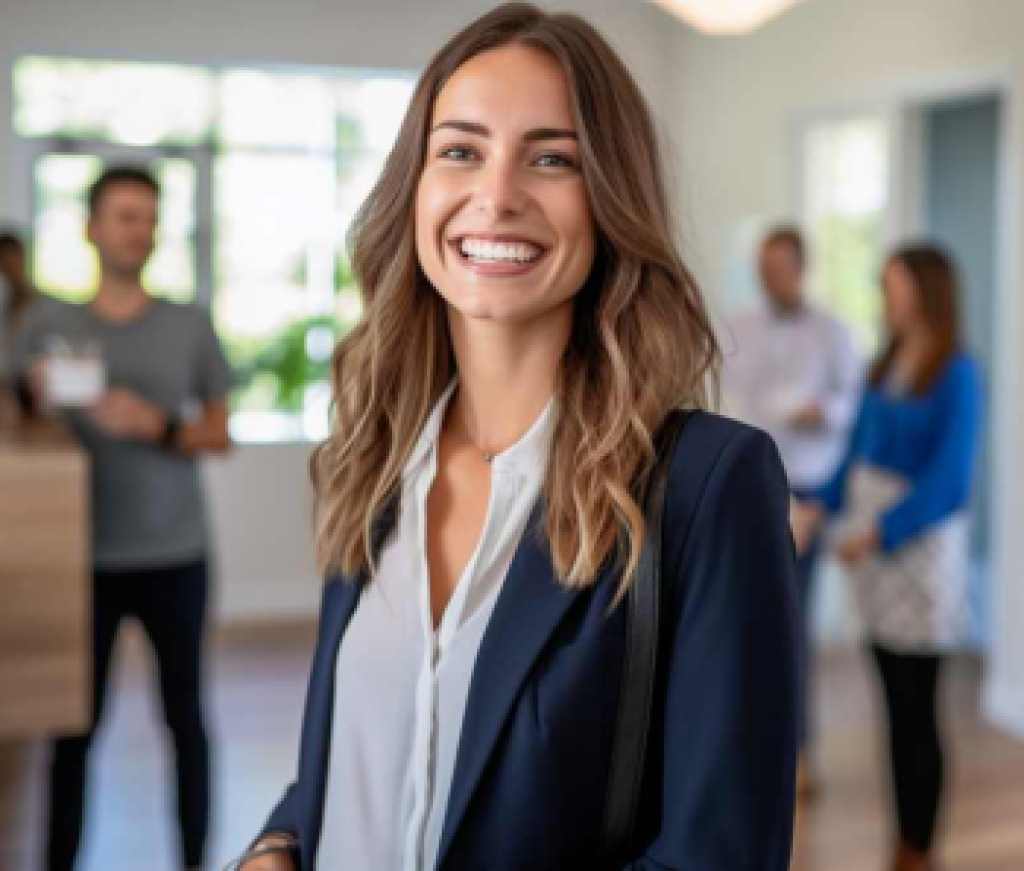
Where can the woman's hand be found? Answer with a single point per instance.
(279, 860)
(270, 862)
(804, 521)
(856, 548)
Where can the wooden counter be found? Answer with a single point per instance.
(45, 587)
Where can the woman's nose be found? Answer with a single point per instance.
(500, 191)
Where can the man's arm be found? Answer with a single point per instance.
(124, 414)
(207, 434)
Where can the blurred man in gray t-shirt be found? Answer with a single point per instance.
(160, 382)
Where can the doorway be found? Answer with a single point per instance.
(958, 180)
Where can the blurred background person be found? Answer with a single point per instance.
(795, 373)
(159, 360)
(902, 488)
(16, 295)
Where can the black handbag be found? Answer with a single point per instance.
(643, 598)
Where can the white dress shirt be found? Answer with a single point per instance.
(400, 686)
(776, 364)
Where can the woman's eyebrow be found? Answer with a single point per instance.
(464, 126)
(535, 135)
(549, 133)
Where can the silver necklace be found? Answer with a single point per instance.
(487, 455)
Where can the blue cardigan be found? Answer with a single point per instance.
(532, 764)
(929, 439)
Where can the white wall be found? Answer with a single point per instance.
(260, 501)
(260, 504)
(735, 105)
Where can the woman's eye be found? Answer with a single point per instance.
(456, 152)
(555, 160)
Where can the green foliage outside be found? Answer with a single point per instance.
(848, 271)
(282, 366)
(273, 372)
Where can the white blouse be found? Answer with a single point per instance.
(401, 687)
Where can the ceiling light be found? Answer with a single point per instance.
(726, 17)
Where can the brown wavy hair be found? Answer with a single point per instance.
(935, 280)
(641, 342)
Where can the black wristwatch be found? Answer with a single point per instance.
(169, 437)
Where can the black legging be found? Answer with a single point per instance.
(171, 605)
(909, 682)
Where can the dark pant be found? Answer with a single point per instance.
(171, 604)
(910, 683)
(806, 564)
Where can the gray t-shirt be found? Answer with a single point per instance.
(147, 504)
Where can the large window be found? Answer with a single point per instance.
(846, 199)
(261, 170)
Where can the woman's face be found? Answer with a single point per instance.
(503, 225)
(902, 309)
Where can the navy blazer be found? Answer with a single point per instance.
(532, 765)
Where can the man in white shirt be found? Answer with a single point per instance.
(792, 370)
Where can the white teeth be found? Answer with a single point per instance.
(480, 249)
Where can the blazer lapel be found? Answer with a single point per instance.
(529, 608)
(339, 602)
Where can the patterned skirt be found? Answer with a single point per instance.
(913, 600)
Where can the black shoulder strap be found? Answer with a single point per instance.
(638, 670)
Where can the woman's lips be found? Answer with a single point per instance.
(496, 267)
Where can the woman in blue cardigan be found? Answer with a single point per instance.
(901, 495)
(529, 327)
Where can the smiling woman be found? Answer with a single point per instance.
(530, 335)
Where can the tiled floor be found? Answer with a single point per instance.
(257, 689)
